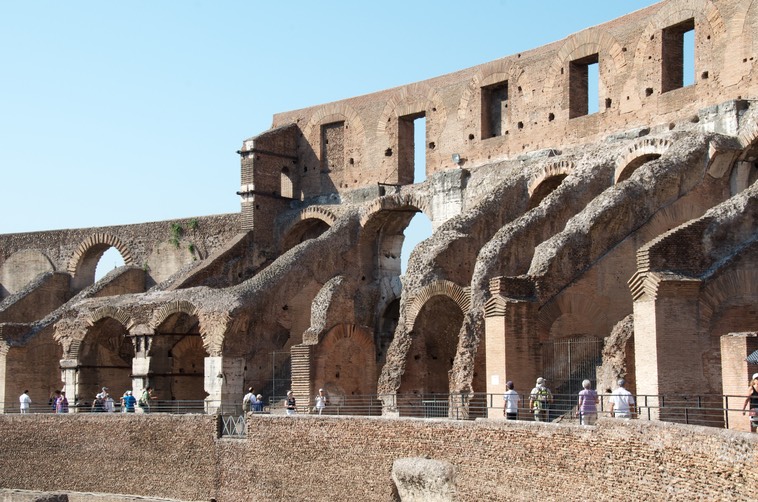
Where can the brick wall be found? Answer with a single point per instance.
(332, 458)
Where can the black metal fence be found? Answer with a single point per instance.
(706, 410)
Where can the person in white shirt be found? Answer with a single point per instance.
(24, 402)
(321, 401)
(622, 402)
(511, 400)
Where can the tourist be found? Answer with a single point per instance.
(289, 404)
(321, 401)
(109, 405)
(98, 405)
(248, 400)
(752, 399)
(53, 401)
(61, 404)
(122, 404)
(24, 402)
(511, 401)
(539, 401)
(129, 402)
(144, 400)
(587, 405)
(622, 402)
(258, 403)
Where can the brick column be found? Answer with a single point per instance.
(302, 374)
(511, 342)
(735, 376)
(667, 349)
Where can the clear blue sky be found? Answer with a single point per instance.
(127, 112)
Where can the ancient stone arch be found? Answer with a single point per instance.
(461, 297)
(311, 217)
(121, 316)
(574, 313)
(175, 307)
(394, 202)
(101, 242)
(731, 285)
(638, 153)
(344, 362)
(547, 180)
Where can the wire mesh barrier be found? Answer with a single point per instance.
(722, 411)
(232, 426)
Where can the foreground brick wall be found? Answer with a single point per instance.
(351, 458)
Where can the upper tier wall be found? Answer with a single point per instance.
(532, 100)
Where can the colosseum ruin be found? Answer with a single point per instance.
(571, 239)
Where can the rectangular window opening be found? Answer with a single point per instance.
(412, 148)
(584, 78)
(678, 56)
(494, 110)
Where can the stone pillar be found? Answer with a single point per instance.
(735, 376)
(667, 350)
(69, 376)
(224, 383)
(4, 348)
(512, 346)
(142, 339)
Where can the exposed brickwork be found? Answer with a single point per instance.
(290, 458)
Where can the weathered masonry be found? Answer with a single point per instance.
(625, 220)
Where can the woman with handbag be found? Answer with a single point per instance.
(752, 399)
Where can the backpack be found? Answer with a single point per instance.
(543, 395)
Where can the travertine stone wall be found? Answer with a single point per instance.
(331, 458)
(146, 245)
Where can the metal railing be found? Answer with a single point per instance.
(707, 410)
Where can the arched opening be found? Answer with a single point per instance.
(635, 164)
(105, 360)
(430, 358)
(419, 229)
(178, 359)
(386, 331)
(287, 189)
(544, 189)
(111, 259)
(309, 228)
(345, 366)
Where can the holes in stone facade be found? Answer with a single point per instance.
(608, 103)
(550, 117)
(520, 125)
(704, 75)
(470, 136)
(649, 91)
(678, 53)
(388, 152)
(432, 145)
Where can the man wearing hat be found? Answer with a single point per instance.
(539, 401)
(622, 401)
